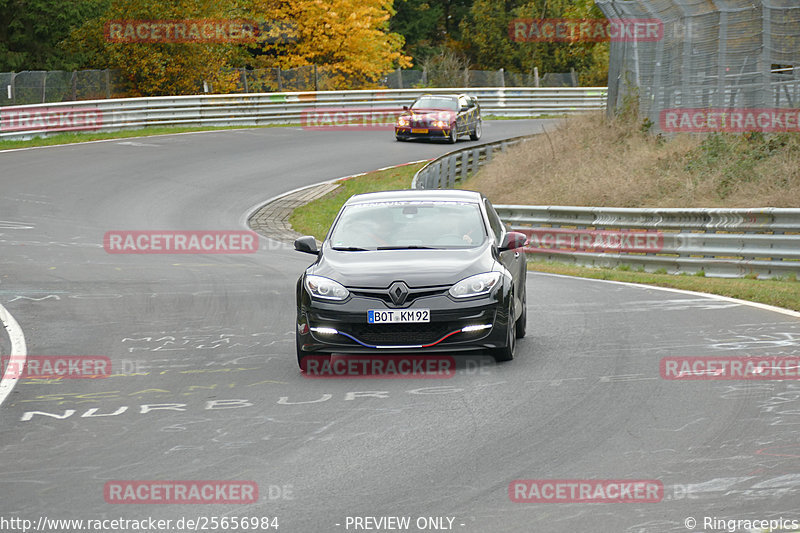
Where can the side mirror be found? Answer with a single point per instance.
(405, 108)
(465, 108)
(307, 244)
(513, 240)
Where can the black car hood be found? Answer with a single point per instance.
(417, 268)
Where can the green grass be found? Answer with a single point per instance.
(71, 138)
(542, 115)
(316, 217)
(780, 293)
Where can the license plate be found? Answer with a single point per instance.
(381, 316)
(419, 130)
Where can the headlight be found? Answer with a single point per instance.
(475, 285)
(402, 121)
(326, 288)
(440, 124)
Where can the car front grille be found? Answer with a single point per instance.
(413, 294)
(401, 334)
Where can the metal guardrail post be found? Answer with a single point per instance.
(451, 173)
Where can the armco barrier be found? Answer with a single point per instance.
(717, 242)
(445, 171)
(273, 108)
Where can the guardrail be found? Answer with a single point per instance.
(273, 108)
(453, 167)
(715, 242)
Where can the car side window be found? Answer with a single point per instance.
(494, 222)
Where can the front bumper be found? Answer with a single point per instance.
(426, 132)
(475, 324)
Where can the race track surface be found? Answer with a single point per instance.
(206, 385)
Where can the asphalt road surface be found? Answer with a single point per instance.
(206, 387)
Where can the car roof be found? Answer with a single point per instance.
(417, 195)
(428, 95)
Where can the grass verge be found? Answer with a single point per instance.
(72, 138)
(316, 217)
(779, 293)
(591, 161)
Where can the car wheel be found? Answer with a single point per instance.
(453, 137)
(522, 322)
(506, 353)
(400, 139)
(476, 133)
(302, 357)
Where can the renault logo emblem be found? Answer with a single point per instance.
(398, 292)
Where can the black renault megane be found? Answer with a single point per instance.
(428, 271)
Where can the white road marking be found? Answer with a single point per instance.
(18, 350)
(757, 305)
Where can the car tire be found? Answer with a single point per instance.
(506, 353)
(476, 133)
(302, 357)
(399, 139)
(521, 324)
(453, 137)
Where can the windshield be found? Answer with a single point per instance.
(402, 225)
(434, 102)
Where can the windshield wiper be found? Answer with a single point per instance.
(349, 249)
(409, 247)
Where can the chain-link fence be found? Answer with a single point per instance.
(40, 86)
(713, 54)
(408, 79)
(35, 87)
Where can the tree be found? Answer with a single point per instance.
(429, 26)
(30, 31)
(351, 38)
(485, 38)
(420, 24)
(160, 67)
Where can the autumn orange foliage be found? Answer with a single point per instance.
(348, 41)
